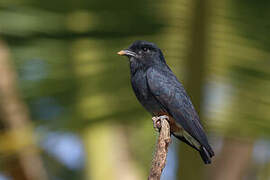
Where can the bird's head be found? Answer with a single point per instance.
(143, 52)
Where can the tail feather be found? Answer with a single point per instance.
(205, 152)
(209, 150)
(206, 155)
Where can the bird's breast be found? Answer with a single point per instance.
(142, 92)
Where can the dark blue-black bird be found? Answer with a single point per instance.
(160, 93)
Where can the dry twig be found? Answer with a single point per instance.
(159, 160)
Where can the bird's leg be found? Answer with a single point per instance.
(157, 121)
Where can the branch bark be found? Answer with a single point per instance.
(159, 160)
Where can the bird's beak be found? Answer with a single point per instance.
(126, 52)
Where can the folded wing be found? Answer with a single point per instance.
(170, 93)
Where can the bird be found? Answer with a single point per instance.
(162, 94)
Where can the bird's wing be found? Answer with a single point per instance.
(170, 93)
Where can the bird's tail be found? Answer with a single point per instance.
(205, 152)
(206, 155)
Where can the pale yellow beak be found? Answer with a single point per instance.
(127, 52)
(121, 53)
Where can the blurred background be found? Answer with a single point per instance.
(67, 110)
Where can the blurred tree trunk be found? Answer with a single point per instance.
(233, 160)
(17, 138)
(107, 154)
(190, 163)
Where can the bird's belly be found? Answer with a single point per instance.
(174, 126)
(149, 103)
(145, 97)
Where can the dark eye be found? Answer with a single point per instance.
(145, 49)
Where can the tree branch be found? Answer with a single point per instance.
(159, 160)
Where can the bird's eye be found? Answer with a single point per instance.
(145, 49)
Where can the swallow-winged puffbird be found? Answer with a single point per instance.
(160, 93)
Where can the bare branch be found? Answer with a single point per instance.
(164, 140)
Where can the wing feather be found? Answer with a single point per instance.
(170, 93)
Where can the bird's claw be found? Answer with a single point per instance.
(157, 121)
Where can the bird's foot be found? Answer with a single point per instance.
(157, 121)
